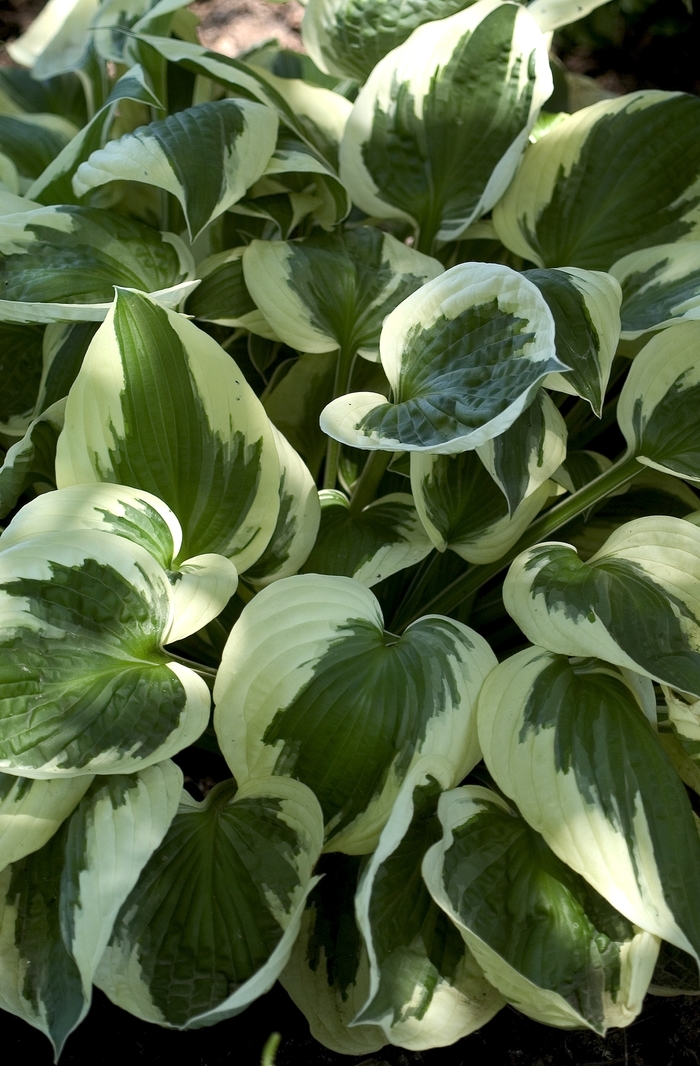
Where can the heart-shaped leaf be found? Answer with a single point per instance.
(311, 686)
(570, 743)
(219, 905)
(464, 356)
(549, 942)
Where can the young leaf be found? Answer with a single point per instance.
(211, 922)
(201, 586)
(160, 406)
(636, 603)
(236, 137)
(463, 509)
(527, 454)
(425, 988)
(348, 39)
(657, 409)
(570, 743)
(327, 975)
(298, 520)
(31, 460)
(660, 287)
(585, 305)
(62, 263)
(482, 75)
(58, 905)
(552, 945)
(335, 290)
(85, 686)
(311, 686)
(31, 811)
(576, 201)
(464, 356)
(387, 536)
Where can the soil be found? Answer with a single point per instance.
(625, 46)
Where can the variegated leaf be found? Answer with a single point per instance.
(57, 39)
(660, 287)
(62, 263)
(58, 905)
(31, 460)
(658, 406)
(201, 586)
(32, 142)
(576, 201)
(311, 686)
(635, 603)
(553, 14)
(64, 348)
(464, 356)
(482, 74)
(237, 138)
(334, 291)
(31, 812)
(296, 164)
(298, 519)
(585, 305)
(387, 536)
(218, 905)
(527, 454)
(327, 975)
(116, 21)
(580, 467)
(463, 509)
(294, 403)
(426, 989)
(85, 686)
(222, 296)
(571, 744)
(160, 406)
(548, 941)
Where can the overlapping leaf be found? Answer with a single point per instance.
(31, 811)
(437, 131)
(31, 461)
(549, 942)
(211, 921)
(570, 743)
(311, 686)
(158, 405)
(660, 287)
(576, 201)
(464, 356)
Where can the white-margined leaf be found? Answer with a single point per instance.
(57, 39)
(294, 402)
(298, 519)
(31, 811)
(426, 989)
(527, 454)
(551, 944)
(437, 131)
(348, 39)
(571, 744)
(327, 975)
(201, 586)
(20, 373)
(311, 686)
(222, 296)
(463, 509)
(31, 460)
(635, 603)
(658, 406)
(211, 922)
(160, 406)
(62, 263)
(54, 184)
(32, 142)
(58, 905)
(236, 137)
(576, 201)
(387, 536)
(85, 686)
(296, 164)
(63, 350)
(684, 715)
(464, 356)
(335, 290)
(585, 305)
(551, 15)
(660, 287)
(116, 21)
(580, 467)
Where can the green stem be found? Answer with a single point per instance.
(341, 385)
(207, 672)
(477, 576)
(368, 482)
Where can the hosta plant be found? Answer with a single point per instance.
(350, 418)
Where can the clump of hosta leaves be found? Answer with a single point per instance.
(305, 361)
